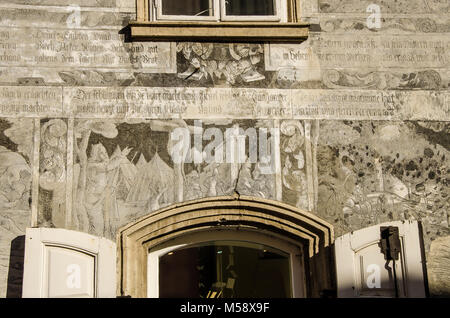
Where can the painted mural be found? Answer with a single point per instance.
(362, 115)
(118, 174)
(52, 168)
(230, 63)
(16, 152)
(124, 170)
(374, 172)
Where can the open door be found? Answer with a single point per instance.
(384, 260)
(69, 264)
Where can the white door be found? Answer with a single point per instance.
(69, 264)
(363, 270)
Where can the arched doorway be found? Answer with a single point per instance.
(224, 264)
(232, 226)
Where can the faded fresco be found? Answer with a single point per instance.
(52, 173)
(362, 115)
(124, 170)
(16, 153)
(232, 63)
(119, 174)
(402, 6)
(296, 151)
(374, 172)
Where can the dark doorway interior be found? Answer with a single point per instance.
(225, 270)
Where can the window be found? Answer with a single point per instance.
(218, 21)
(218, 10)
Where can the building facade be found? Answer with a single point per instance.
(298, 148)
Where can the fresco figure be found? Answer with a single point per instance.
(100, 197)
(52, 167)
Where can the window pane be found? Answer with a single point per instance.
(250, 7)
(187, 7)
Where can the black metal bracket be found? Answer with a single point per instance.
(390, 242)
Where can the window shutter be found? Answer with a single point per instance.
(362, 268)
(69, 264)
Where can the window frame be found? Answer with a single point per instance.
(157, 15)
(289, 29)
(279, 16)
(219, 14)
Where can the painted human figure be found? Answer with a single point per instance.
(295, 180)
(100, 198)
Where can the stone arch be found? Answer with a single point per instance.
(226, 213)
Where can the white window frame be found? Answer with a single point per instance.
(159, 16)
(219, 13)
(295, 252)
(276, 17)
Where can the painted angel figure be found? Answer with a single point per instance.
(198, 57)
(246, 57)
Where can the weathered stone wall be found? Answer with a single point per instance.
(86, 118)
(16, 150)
(376, 171)
(367, 175)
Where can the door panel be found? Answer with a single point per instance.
(69, 264)
(363, 270)
(69, 273)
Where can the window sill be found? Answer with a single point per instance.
(218, 31)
